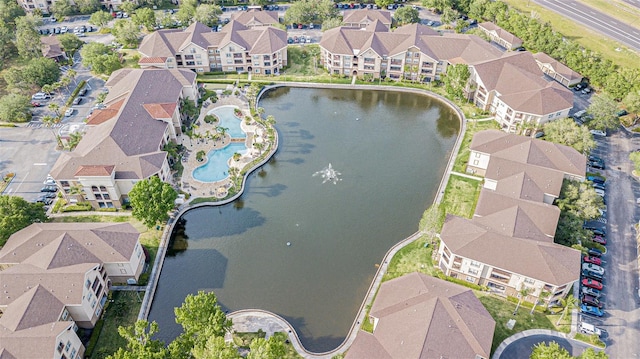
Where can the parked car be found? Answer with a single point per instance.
(622, 112)
(69, 112)
(590, 329)
(593, 268)
(35, 104)
(592, 301)
(39, 96)
(598, 231)
(590, 291)
(591, 283)
(45, 200)
(600, 239)
(77, 100)
(82, 91)
(598, 133)
(290, 40)
(594, 252)
(594, 260)
(596, 179)
(592, 275)
(578, 87)
(49, 189)
(599, 186)
(591, 310)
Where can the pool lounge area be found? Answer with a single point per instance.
(211, 178)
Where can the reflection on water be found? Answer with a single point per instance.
(391, 160)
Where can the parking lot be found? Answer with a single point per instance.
(621, 288)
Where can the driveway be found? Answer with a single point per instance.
(622, 318)
(522, 348)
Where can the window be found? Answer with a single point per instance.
(198, 56)
(228, 54)
(475, 264)
(256, 71)
(73, 353)
(89, 297)
(95, 284)
(87, 284)
(476, 162)
(471, 279)
(60, 347)
(123, 271)
(65, 315)
(66, 347)
(93, 303)
(529, 281)
(473, 271)
(192, 50)
(103, 189)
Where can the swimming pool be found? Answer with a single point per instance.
(229, 121)
(217, 169)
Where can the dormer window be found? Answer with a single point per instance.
(192, 50)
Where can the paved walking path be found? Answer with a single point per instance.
(466, 176)
(129, 288)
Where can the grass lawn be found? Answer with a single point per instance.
(130, 57)
(91, 218)
(460, 196)
(473, 127)
(122, 311)
(412, 258)
(610, 49)
(502, 311)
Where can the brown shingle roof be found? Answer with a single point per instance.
(35, 307)
(549, 262)
(152, 60)
(531, 151)
(521, 84)
(424, 317)
(51, 245)
(51, 46)
(256, 18)
(557, 66)
(160, 110)
(31, 342)
(502, 33)
(365, 16)
(95, 170)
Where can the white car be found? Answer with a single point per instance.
(598, 133)
(599, 192)
(593, 268)
(69, 112)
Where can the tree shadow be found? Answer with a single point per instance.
(269, 191)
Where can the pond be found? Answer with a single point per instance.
(391, 150)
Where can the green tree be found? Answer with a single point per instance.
(9, 11)
(100, 18)
(632, 102)
(553, 350)
(273, 348)
(54, 107)
(61, 8)
(635, 159)
(207, 14)
(330, 23)
(201, 318)
(128, 6)
(580, 199)
(27, 38)
(145, 17)
(100, 58)
(477, 9)
(449, 15)
(590, 353)
(438, 5)
(74, 140)
(70, 43)
(16, 214)
(151, 200)
(7, 46)
(87, 6)
(15, 108)
(384, 3)
(522, 294)
(407, 15)
(604, 111)
(568, 303)
(140, 343)
(126, 32)
(307, 11)
(187, 12)
(49, 122)
(566, 132)
(215, 348)
(456, 80)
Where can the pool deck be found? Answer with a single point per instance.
(255, 134)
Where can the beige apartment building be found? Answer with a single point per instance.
(508, 244)
(236, 48)
(124, 141)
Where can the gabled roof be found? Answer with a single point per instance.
(31, 342)
(35, 307)
(420, 316)
(500, 32)
(97, 170)
(364, 16)
(51, 47)
(527, 150)
(516, 217)
(519, 82)
(548, 262)
(54, 245)
(103, 115)
(517, 179)
(461, 48)
(128, 135)
(557, 66)
(256, 17)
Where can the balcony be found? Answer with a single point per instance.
(396, 62)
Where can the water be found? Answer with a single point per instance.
(229, 121)
(217, 168)
(391, 150)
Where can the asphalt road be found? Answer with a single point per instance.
(621, 301)
(521, 348)
(597, 21)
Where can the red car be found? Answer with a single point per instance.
(592, 284)
(35, 104)
(595, 260)
(599, 239)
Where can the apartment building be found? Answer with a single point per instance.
(236, 48)
(256, 18)
(557, 70)
(500, 36)
(412, 51)
(516, 92)
(123, 142)
(362, 18)
(55, 277)
(508, 244)
(419, 316)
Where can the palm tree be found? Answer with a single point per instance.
(49, 122)
(541, 298)
(74, 140)
(259, 146)
(222, 131)
(271, 120)
(71, 74)
(47, 88)
(260, 111)
(54, 107)
(569, 303)
(78, 191)
(522, 294)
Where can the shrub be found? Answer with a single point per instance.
(107, 209)
(75, 92)
(200, 156)
(78, 207)
(210, 119)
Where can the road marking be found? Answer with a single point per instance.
(39, 164)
